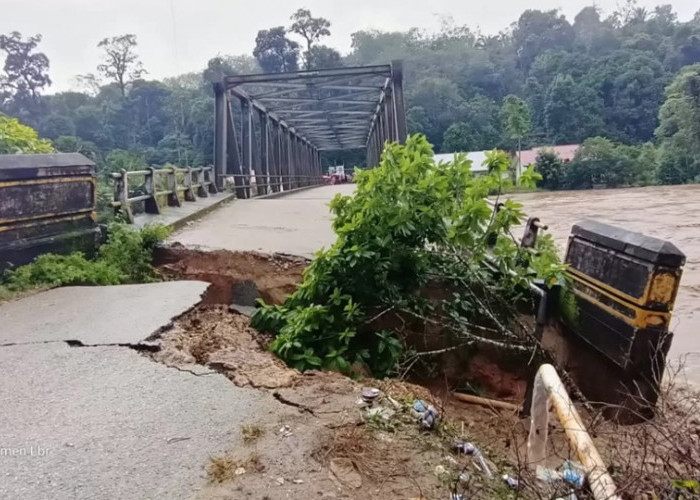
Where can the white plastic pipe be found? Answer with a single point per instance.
(549, 388)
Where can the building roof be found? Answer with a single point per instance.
(566, 152)
(477, 158)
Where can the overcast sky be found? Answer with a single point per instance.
(177, 36)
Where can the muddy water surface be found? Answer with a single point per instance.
(670, 212)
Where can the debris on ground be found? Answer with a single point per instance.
(332, 433)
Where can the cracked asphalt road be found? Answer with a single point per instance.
(106, 421)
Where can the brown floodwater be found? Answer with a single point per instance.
(669, 212)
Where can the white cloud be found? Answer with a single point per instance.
(177, 36)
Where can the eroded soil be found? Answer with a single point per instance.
(276, 275)
(321, 445)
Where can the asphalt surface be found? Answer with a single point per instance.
(108, 422)
(97, 315)
(298, 224)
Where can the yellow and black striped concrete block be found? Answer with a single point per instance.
(47, 204)
(623, 286)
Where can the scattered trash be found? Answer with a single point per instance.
(239, 472)
(280, 481)
(456, 496)
(429, 418)
(463, 447)
(427, 414)
(548, 476)
(464, 477)
(574, 474)
(512, 483)
(420, 407)
(451, 461)
(440, 471)
(285, 431)
(298, 481)
(370, 395)
(380, 412)
(570, 496)
(394, 403)
(469, 449)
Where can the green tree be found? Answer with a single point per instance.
(56, 125)
(120, 63)
(550, 167)
(311, 29)
(537, 31)
(24, 76)
(516, 121)
(221, 66)
(459, 137)
(572, 111)
(17, 138)
(679, 129)
(679, 117)
(275, 52)
(322, 57)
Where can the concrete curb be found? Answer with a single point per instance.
(180, 223)
(272, 196)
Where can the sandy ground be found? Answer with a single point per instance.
(668, 212)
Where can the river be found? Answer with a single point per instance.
(669, 212)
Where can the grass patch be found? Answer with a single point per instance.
(125, 258)
(251, 432)
(226, 468)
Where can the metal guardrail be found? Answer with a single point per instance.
(248, 186)
(172, 184)
(161, 187)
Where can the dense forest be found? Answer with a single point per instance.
(630, 80)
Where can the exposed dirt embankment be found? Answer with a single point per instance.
(322, 444)
(276, 275)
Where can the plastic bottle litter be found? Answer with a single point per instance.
(469, 449)
(419, 406)
(573, 474)
(464, 447)
(547, 475)
(429, 418)
(512, 483)
(456, 496)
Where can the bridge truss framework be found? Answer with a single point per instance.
(278, 125)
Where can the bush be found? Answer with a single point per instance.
(551, 168)
(125, 258)
(410, 223)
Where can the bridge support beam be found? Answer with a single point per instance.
(220, 106)
(275, 136)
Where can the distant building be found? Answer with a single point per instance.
(565, 152)
(477, 158)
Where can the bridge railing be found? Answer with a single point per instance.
(160, 187)
(152, 189)
(247, 186)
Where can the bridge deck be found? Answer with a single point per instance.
(298, 223)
